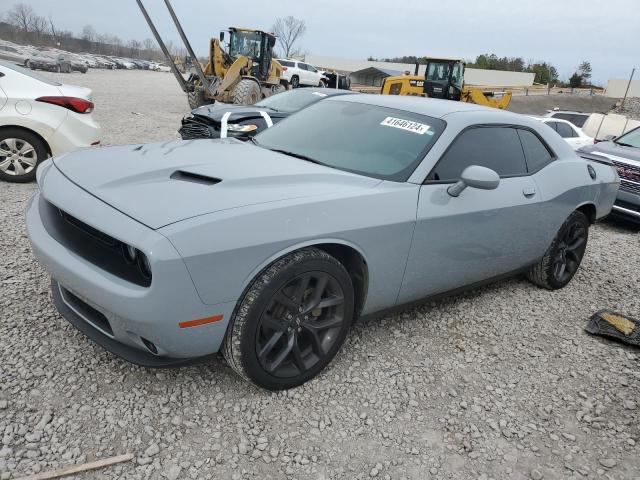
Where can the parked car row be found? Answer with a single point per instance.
(55, 60)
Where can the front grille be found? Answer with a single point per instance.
(86, 311)
(629, 177)
(194, 128)
(91, 244)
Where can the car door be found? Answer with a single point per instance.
(480, 234)
(304, 74)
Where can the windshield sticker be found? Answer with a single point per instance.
(320, 94)
(408, 125)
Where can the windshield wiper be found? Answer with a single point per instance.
(625, 144)
(296, 155)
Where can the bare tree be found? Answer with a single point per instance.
(89, 33)
(39, 25)
(289, 30)
(21, 16)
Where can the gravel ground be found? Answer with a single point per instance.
(631, 108)
(499, 383)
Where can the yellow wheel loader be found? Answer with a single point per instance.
(243, 75)
(444, 78)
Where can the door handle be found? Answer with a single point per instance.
(529, 191)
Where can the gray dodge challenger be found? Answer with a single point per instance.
(268, 251)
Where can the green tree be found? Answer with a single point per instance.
(575, 80)
(584, 70)
(544, 72)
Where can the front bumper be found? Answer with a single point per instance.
(627, 205)
(121, 316)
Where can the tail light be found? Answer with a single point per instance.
(284, 69)
(78, 105)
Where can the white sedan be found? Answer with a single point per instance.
(573, 135)
(39, 118)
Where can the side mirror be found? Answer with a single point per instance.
(475, 176)
(222, 36)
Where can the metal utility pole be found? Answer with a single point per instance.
(163, 47)
(627, 90)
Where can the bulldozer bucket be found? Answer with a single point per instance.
(487, 99)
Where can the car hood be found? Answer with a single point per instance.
(163, 183)
(616, 152)
(238, 112)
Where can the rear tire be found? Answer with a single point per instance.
(21, 152)
(564, 256)
(246, 92)
(295, 81)
(322, 84)
(291, 321)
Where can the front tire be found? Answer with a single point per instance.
(295, 81)
(20, 153)
(562, 259)
(291, 321)
(246, 92)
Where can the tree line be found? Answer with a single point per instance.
(545, 72)
(21, 24)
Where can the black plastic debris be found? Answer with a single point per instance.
(615, 326)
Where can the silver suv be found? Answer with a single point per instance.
(624, 152)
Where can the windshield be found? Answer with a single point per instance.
(245, 44)
(370, 140)
(291, 101)
(630, 139)
(438, 71)
(28, 73)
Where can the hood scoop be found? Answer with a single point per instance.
(185, 176)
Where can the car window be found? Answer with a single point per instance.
(630, 139)
(286, 63)
(497, 148)
(28, 73)
(375, 141)
(565, 131)
(553, 125)
(292, 100)
(302, 66)
(577, 119)
(311, 68)
(536, 153)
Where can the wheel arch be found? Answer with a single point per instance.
(589, 209)
(348, 254)
(29, 130)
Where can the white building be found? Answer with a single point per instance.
(365, 72)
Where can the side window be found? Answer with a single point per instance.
(302, 66)
(497, 148)
(535, 152)
(311, 68)
(565, 131)
(553, 125)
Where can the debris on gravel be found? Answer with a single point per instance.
(631, 108)
(498, 383)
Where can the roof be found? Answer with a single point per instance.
(424, 106)
(378, 71)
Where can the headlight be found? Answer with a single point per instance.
(234, 127)
(144, 265)
(130, 253)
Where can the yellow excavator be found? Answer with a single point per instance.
(444, 78)
(243, 75)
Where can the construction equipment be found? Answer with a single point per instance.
(444, 78)
(243, 75)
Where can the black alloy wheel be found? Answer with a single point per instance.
(569, 252)
(291, 321)
(300, 325)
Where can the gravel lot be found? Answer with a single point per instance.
(499, 383)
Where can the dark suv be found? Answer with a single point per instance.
(624, 152)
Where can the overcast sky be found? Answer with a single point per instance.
(564, 32)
